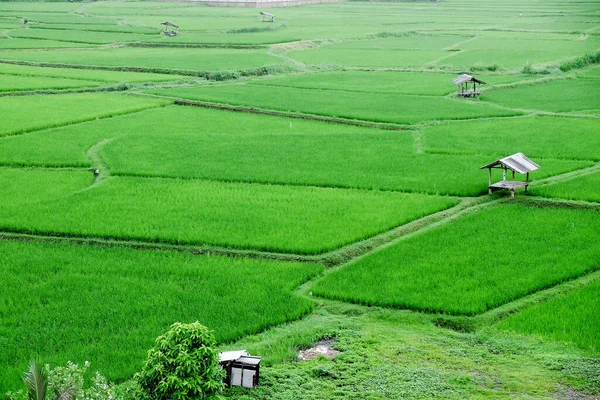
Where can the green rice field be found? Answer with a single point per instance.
(571, 318)
(314, 180)
(472, 270)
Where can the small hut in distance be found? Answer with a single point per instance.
(463, 85)
(518, 162)
(170, 32)
(267, 17)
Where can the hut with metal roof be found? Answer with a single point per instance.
(467, 85)
(267, 17)
(516, 163)
(170, 32)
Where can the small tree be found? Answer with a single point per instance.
(182, 365)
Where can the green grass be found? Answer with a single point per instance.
(12, 43)
(88, 75)
(278, 218)
(12, 83)
(192, 142)
(78, 36)
(65, 302)
(469, 266)
(63, 109)
(572, 318)
(151, 58)
(21, 187)
(580, 188)
(381, 107)
(537, 136)
(423, 83)
(565, 95)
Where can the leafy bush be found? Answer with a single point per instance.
(182, 365)
(581, 62)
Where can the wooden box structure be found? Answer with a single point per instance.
(517, 162)
(241, 368)
(267, 17)
(463, 82)
(170, 32)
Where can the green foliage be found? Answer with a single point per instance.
(572, 318)
(65, 109)
(482, 260)
(107, 304)
(183, 364)
(377, 107)
(11, 83)
(581, 62)
(304, 220)
(579, 188)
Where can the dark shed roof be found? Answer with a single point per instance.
(517, 162)
(167, 23)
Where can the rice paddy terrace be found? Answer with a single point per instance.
(308, 178)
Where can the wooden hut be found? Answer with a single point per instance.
(467, 85)
(170, 32)
(241, 369)
(267, 17)
(516, 163)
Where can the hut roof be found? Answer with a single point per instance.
(467, 78)
(232, 355)
(167, 23)
(266, 14)
(517, 162)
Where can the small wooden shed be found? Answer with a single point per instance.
(170, 32)
(516, 163)
(463, 82)
(241, 368)
(267, 17)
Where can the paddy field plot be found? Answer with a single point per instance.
(76, 302)
(380, 107)
(64, 109)
(536, 136)
(478, 262)
(104, 77)
(18, 44)
(12, 83)
(276, 218)
(565, 95)
(199, 143)
(585, 188)
(78, 36)
(151, 58)
(393, 82)
(573, 318)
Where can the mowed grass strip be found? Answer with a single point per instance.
(275, 218)
(585, 187)
(193, 142)
(88, 75)
(478, 262)
(62, 302)
(536, 136)
(565, 95)
(573, 318)
(63, 109)
(379, 107)
(151, 58)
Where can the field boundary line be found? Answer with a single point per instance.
(551, 180)
(540, 296)
(252, 110)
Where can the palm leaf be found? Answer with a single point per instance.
(69, 394)
(36, 381)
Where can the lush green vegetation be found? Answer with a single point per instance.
(12, 83)
(109, 304)
(579, 188)
(474, 264)
(87, 75)
(379, 107)
(150, 58)
(575, 95)
(572, 318)
(66, 109)
(536, 136)
(302, 220)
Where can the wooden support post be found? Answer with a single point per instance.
(513, 185)
(490, 181)
(527, 182)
